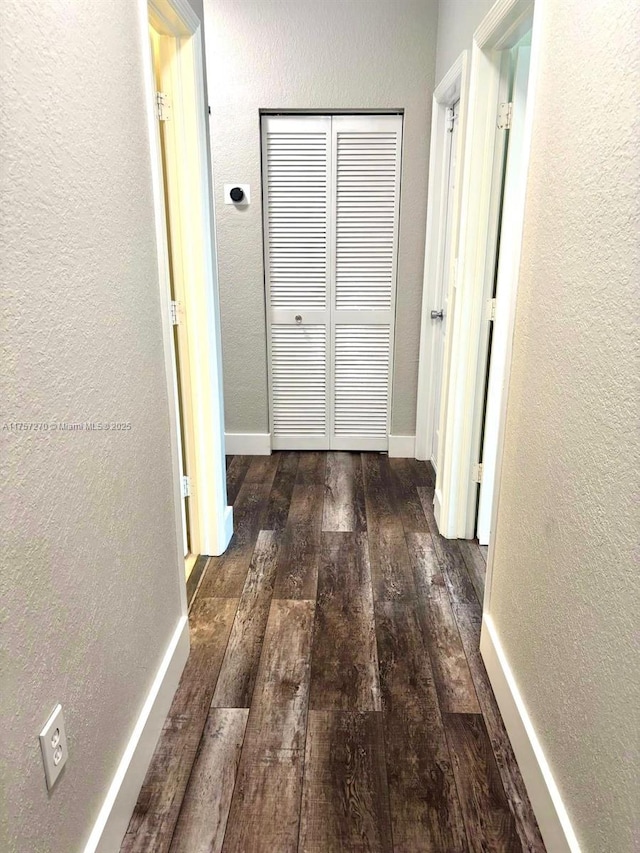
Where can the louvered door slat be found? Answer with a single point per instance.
(366, 178)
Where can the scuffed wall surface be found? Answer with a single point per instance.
(89, 590)
(565, 593)
(457, 22)
(303, 54)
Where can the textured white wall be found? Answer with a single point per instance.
(565, 594)
(89, 590)
(305, 54)
(457, 22)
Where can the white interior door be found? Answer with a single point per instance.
(296, 194)
(331, 202)
(507, 272)
(440, 311)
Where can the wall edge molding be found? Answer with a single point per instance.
(546, 801)
(227, 530)
(117, 808)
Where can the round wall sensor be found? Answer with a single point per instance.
(237, 194)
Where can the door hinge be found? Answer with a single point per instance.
(451, 117)
(505, 111)
(163, 107)
(477, 472)
(186, 487)
(174, 312)
(491, 309)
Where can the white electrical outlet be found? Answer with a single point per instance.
(53, 743)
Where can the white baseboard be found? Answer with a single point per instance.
(553, 820)
(116, 811)
(402, 446)
(259, 444)
(248, 443)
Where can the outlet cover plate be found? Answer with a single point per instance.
(53, 743)
(246, 188)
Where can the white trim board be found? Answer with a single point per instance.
(453, 87)
(248, 443)
(227, 527)
(546, 801)
(402, 446)
(113, 818)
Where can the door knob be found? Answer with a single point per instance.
(437, 315)
(298, 318)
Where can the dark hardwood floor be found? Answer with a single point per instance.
(335, 698)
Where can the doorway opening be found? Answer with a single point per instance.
(487, 253)
(188, 286)
(163, 48)
(331, 197)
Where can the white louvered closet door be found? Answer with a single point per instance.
(331, 189)
(365, 206)
(296, 154)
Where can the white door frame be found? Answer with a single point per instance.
(501, 29)
(214, 527)
(453, 87)
(506, 273)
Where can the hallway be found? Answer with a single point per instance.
(334, 698)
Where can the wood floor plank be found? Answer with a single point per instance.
(226, 575)
(236, 471)
(407, 500)
(345, 803)
(297, 569)
(194, 578)
(344, 664)
(476, 565)
(210, 620)
(454, 683)
(265, 809)
(156, 813)
(234, 688)
(203, 817)
(344, 504)
(490, 824)
(425, 811)
(281, 492)
(468, 615)
(423, 473)
(391, 570)
(312, 468)
(262, 469)
(281, 696)
(379, 495)
(484, 551)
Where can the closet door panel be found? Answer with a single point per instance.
(296, 196)
(365, 207)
